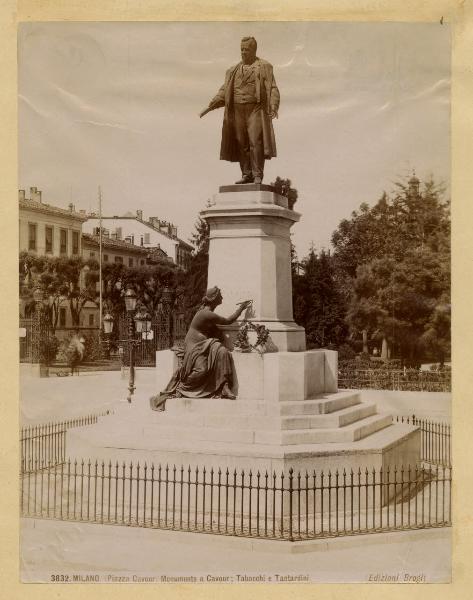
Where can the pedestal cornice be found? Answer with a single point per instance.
(250, 210)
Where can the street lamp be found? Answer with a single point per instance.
(107, 324)
(142, 321)
(130, 300)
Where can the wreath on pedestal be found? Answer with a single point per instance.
(242, 343)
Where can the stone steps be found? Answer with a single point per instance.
(341, 418)
(320, 406)
(349, 433)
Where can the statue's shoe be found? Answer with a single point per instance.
(245, 180)
(257, 180)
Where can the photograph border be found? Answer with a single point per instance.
(459, 16)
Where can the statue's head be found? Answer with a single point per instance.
(213, 297)
(248, 50)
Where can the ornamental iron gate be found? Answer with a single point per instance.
(168, 328)
(34, 336)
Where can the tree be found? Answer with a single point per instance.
(74, 282)
(410, 219)
(148, 281)
(393, 260)
(195, 282)
(435, 340)
(319, 306)
(396, 300)
(65, 280)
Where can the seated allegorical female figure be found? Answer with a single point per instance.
(206, 370)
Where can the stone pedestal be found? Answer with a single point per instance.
(288, 412)
(250, 258)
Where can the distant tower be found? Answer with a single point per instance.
(414, 185)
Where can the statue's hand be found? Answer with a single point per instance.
(273, 114)
(246, 304)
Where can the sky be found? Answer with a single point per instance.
(116, 105)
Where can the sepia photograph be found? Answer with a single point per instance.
(234, 274)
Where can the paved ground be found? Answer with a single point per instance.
(425, 405)
(57, 548)
(60, 398)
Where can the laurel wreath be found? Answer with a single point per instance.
(242, 343)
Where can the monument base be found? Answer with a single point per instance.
(288, 414)
(219, 435)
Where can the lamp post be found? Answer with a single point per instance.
(130, 305)
(139, 320)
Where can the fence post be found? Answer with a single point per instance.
(291, 477)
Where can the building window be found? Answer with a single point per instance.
(62, 317)
(91, 320)
(147, 238)
(92, 254)
(142, 262)
(119, 259)
(105, 258)
(75, 242)
(130, 262)
(63, 241)
(32, 228)
(48, 239)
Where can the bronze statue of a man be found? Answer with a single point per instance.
(251, 100)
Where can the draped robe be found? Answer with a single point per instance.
(206, 364)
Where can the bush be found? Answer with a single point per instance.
(92, 348)
(49, 350)
(346, 352)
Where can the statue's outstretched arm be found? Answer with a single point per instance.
(216, 102)
(219, 320)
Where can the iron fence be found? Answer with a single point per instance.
(34, 341)
(397, 380)
(436, 440)
(285, 506)
(168, 327)
(26, 340)
(42, 446)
